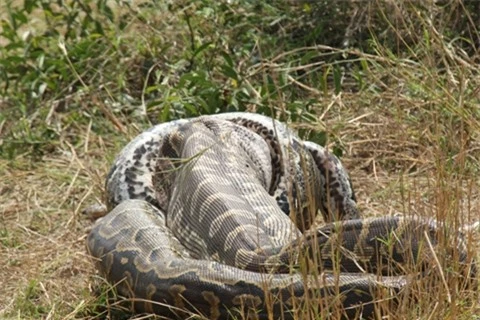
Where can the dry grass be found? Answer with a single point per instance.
(47, 274)
(46, 270)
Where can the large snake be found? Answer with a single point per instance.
(215, 216)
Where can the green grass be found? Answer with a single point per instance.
(392, 88)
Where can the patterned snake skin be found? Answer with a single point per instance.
(214, 216)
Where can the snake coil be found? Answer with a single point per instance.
(215, 215)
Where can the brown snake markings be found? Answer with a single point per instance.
(198, 225)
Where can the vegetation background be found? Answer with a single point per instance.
(392, 87)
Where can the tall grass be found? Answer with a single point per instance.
(390, 87)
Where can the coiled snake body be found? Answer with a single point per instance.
(214, 215)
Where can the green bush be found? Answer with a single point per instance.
(157, 61)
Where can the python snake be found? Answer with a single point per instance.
(215, 216)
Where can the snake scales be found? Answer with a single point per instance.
(214, 216)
